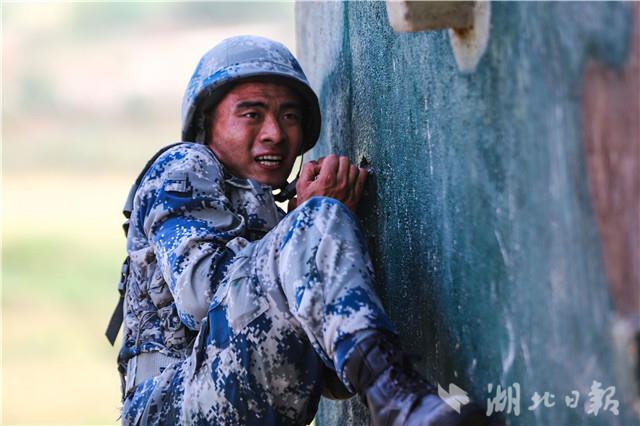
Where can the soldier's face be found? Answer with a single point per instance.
(256, 131)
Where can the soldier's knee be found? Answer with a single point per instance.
(321, 204)
(320, 216)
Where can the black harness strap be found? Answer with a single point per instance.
(118, 314)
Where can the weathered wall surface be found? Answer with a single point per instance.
(478, 213)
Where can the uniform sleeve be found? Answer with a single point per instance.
(190, 227)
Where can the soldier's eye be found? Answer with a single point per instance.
(250, 114)
(292, 116)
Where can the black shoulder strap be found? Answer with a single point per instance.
(128, 205)
(118, 315)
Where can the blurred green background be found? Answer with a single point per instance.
(89, 92)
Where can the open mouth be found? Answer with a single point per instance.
(270, 161)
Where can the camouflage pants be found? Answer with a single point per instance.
(290, 304)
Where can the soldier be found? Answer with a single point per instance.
(235, 313)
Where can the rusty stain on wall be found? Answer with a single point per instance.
(611, 126)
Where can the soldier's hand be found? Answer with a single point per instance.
(333, 177)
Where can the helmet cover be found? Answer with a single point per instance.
(241, 58)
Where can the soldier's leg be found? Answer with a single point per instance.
(318, 258)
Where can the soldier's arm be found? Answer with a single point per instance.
(191, 228)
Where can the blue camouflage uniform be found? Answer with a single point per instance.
(272, 298)
(233, 312)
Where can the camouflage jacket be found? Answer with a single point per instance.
(190, 218)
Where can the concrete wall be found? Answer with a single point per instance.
(478, 213)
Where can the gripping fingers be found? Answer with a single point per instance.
(309, 171)
(329, 170)
(353, 177)
(344, 167)
(359, 186)
(333, 177)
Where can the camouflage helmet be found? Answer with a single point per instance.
(239, 58)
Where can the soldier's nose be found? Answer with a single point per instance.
(271, 130)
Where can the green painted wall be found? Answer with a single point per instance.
(478, 211)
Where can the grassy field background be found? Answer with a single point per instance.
(58, 291)
(89, 92)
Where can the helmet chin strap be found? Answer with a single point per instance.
(288, 190)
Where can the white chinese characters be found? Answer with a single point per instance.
(507, 400)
